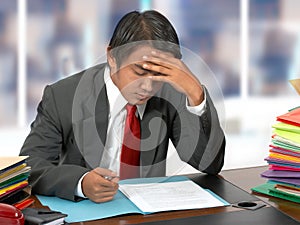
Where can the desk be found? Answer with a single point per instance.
(250, 177)
(242, 178)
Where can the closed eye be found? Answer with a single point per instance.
(139, 70)
(140, 73)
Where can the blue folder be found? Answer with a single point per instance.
(87, 210)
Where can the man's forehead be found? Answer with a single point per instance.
(137, 55)
(139, 52)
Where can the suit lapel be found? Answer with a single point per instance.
(153, 132)
(101, 117)
(93, 122)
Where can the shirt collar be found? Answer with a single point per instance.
(116, 100)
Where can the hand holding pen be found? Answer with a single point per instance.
(100, 185)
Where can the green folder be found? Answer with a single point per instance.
(288, 135)
(269, 189)
(14, 180)
(286, 127)
(285, 145)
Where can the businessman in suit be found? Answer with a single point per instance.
(76, 141)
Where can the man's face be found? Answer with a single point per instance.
(133, 81)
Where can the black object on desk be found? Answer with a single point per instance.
(34, 216)
(223, 188)
(263, 216)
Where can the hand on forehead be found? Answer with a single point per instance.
(143, 54)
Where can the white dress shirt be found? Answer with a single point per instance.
(116, 124)
(117, 116)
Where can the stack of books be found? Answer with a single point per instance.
(14, 173)
(284, 159)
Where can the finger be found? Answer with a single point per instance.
(167, 60)
(153, 64)
(102, 182)
(105, 192)
(167, 69)
(104, 186)
(115, 179)
(105, 172)
(159, 78)
(112, 186)
(160, 69)
(103, 197)
(107, 185)
(100, 200)
(157, 62)
(162, 54)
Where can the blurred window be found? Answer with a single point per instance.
(8, 63)
(66, 36)
(274, 29)
(211, 29)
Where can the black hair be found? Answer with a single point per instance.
(149, 25)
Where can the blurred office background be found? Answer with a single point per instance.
(252, 47)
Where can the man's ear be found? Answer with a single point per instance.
(111, 60)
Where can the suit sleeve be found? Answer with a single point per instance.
(200, 140)
(44, 146)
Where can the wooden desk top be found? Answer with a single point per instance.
(242, 178)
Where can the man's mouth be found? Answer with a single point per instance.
(143, 96)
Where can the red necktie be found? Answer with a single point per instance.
(130, 153)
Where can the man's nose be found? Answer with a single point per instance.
(147, 84)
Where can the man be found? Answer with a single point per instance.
(77, 139)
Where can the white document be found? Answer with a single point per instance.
(179, 195)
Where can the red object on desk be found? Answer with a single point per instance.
(10, 215)
(24, 204)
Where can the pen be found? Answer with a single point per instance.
(48, 212)
(106, 177)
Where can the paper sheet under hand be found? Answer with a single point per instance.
(156, 197)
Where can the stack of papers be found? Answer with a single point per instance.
(284, 159)
(14, 174)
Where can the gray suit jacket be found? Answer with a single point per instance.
(68, 135)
